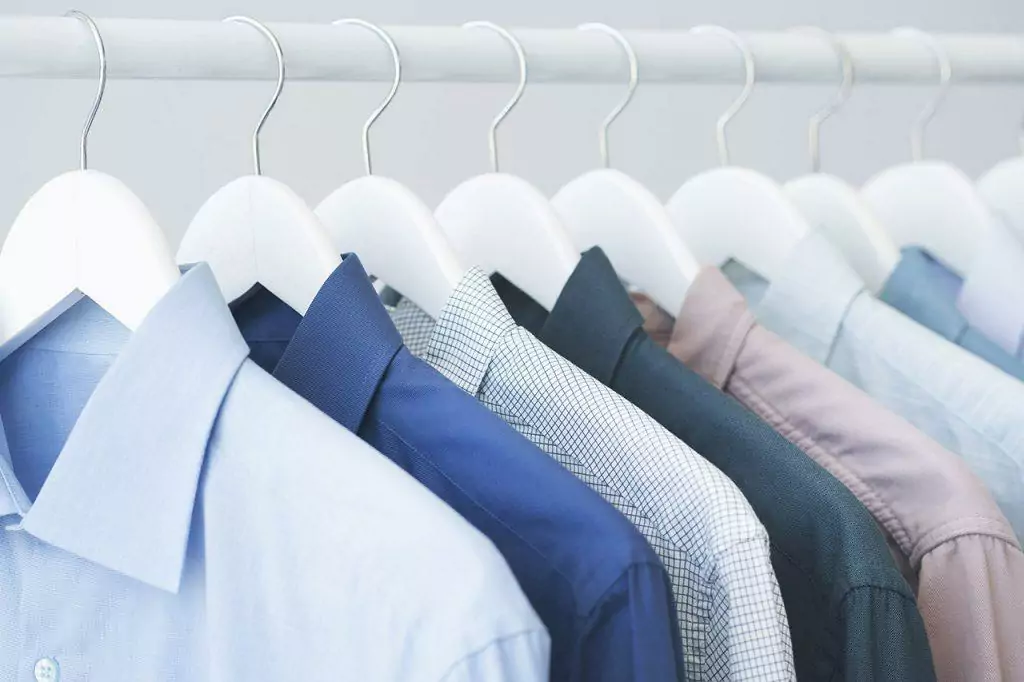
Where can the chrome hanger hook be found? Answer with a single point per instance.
(98, 39)
(396, 62)
(840, 98)
(945, 79)
(492, 137)
(269, 35)
(750, 76)
(634, 79)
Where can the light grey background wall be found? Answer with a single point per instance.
(175, 143)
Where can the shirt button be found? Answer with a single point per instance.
(47, 670)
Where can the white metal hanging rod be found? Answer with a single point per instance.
(165, 49)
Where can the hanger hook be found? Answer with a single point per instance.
(98, 39)
(837, 101)
(397, 64)
(750, 75)
(945, 79)
(634, 79)
(269, 35)
(492, 137)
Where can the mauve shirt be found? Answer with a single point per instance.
(946, 532)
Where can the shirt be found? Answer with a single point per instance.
(992, 295)
(733, 625)
(851, 613)
(593, 579)
(819, 305)
(202, 522)
(947, 534)
(926, 291)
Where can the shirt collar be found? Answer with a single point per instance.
(927, 290)
(716, 321)
(122, 491)
(807, 302)
(469, 331)
(593, 319)
(339, 351)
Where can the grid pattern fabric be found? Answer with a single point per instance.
(732, 620)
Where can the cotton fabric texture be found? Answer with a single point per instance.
(946, 532)
(851, 613)
(732, 621)
(186, 517)
(819, 305)
(591, 576)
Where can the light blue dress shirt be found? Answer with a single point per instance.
(819, 305)
(174, 513)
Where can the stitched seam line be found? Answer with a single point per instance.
(830, 462)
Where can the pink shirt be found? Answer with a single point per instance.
(949, 538)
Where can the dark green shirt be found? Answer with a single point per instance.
(851, 613)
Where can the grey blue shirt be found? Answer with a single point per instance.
(174, 513)
(925, 290)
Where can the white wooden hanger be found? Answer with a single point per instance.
(609, 209)
(1002, 187)
(833, 206)
(504, 224)
(256, 230)
(394, 233)
(84, 233)
(931, 204)
(737, 213)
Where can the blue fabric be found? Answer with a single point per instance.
(593, 579)
(171, 512)
(927, 291)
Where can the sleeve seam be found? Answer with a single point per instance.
(489, 645)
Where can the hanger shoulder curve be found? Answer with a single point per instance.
(504, 224)
(934, 205)
(733, 212)
(396, 237)
(257, 230)
(1002, 188)
(86, 233)
(607, 208)
(836, 209)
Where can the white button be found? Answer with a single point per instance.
(47, 670)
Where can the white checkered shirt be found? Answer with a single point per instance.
(732, 620)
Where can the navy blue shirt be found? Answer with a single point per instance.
(590, 575)
(851, 614)
(926, 291)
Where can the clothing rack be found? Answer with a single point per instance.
(57, 47)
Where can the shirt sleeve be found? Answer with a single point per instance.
(522, 657)
(885, 637)
(632, 635)
(970, 593)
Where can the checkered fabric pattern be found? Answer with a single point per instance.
(732, 620)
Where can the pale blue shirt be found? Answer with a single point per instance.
(819, 305)
(183, 516)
